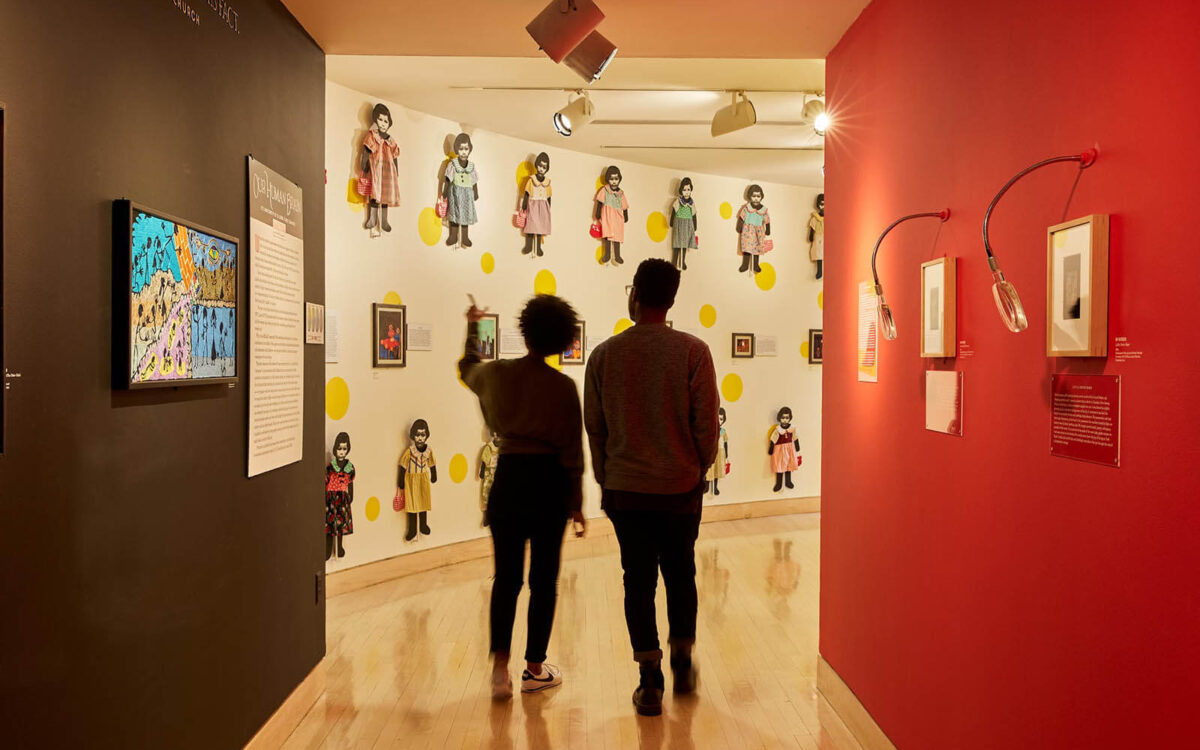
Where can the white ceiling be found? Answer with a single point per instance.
(667, 126)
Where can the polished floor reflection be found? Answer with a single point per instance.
(408, 665)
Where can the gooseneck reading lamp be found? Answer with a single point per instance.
(887, 323)
(1008, 302)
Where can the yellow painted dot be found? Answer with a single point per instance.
(599, 253)
(708, 316)
(731, 387)
(766, 277)
(803, 348)
(355, 200)
(545, 283)
(392, 298)
(487, 262)
(429, 226)
(726, 210)
(555, 361)
(656, 226)
(1060, 240)
(600, 182)
(821, 299)
(337, 398)
(458, 468)
(372, 508)
(621, 325)
(525, 170)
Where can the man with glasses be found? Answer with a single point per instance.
(650, 410)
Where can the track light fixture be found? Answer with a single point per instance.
(887, 323)
(576, 115)
(566, 31)
(739, 114)
(814, 113)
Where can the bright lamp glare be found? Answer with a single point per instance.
(821, 124)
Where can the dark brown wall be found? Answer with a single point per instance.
(153, 596)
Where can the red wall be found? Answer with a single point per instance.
(975, 592)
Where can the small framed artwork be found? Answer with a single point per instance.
(389, 326)
(489, 337)
(743, 346)
(816, 345)
(1077, 288)
(669, 323)
(314, 323)
(938, 316)
(574, 353)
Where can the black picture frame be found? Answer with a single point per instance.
(742, 345)
(570, 356)
(126, 214)
(3, 372)
(386, 351)
(816, 346)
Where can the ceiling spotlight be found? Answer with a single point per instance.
(592, 56)
(562, 25)
(740, 114)
(577, 114)
(814, 113)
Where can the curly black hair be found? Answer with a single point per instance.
(656, 282)
(548, 324)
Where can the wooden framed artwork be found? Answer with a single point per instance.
(743, 346)
(1077, 288)
(389, 326)
(816, 346)
(938, 311)
(489, 337)
(574, 353)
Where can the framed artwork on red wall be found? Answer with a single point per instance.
(1077, 288)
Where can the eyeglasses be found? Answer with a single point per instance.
(628, 289)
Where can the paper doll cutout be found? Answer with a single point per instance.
(611, 213)
(379, 167)
(816, 235)
(753, 228)
(784, 449)
(720, 466)
(460, 190)
(535, 206)
(685, 234)
(415, 478)
(339, 495)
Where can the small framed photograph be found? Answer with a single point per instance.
(938, 312)
(390, 329)
(1077, 288)
(574, 353)
(489, 337)
(816, 346)
(743, 345)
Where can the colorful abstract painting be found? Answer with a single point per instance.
(183, 302)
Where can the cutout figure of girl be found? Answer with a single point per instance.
(784, 449)
(488, 459)
(753, 228)
(339, 494)
(380, 161)
(816, 234)
(536, 203)
(720, 466)
(612, 211)
(460, 188)
(415, 479)
(684, 225)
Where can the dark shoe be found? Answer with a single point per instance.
(424, 524)
(607, 253)
(539, 251)
(647, 697)
(675, 257)
(787, 480)
(383, 222)
(778, 483)
(372, 214)
(341, 551)
(745, 263)
(466, 242)
(756, 267)
(617, 255)
(716, 491)
(684, 674)
(411, 533)
(527, 249)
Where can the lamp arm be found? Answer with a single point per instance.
(1085, 159)
(944, 214)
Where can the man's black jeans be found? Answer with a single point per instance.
(650, 540)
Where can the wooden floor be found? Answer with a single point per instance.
(408, 667)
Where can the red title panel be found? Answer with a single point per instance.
(1085, 418)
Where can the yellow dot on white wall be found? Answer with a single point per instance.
(600, 182)
(599, 253)
(458, 468)
(545, 283)
(487, 262)
(731, 387)
(821, 299)
(621, 325)
(726, 210)
(555, 361)
(337, 398)
(372, 508)
(392, 298)
(803, 348)
(708, 316)
(766, 277)
(355, 200)
(656, 226)
(525, 170)
(429, 226)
